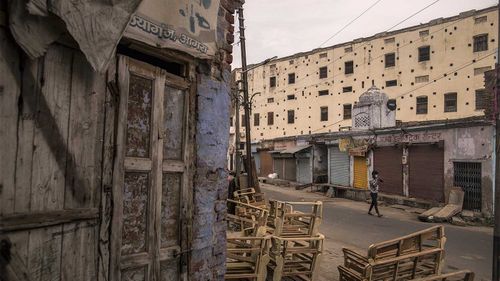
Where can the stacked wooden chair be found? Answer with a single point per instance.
(249, 196)
(247, 253)
(296, 244)
(413, 256)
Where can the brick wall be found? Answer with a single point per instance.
(212, 137)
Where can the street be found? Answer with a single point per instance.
(347, 224)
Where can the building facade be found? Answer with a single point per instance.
(114, 129)
(433, 71)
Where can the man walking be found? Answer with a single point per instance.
(374, 185)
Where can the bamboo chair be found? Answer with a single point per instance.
(249, 196)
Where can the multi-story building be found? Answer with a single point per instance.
(317, 119)
(433, 71)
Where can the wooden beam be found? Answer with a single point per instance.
(26, 221)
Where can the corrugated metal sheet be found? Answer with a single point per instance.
(360, 172)
(387, 161)
(290, 169)
(294, 149)
(339, 167)
(304, 170)
(278, 167)
(426, 172)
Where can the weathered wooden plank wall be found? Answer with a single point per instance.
(51, 150)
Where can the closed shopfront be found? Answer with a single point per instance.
(426, 172)
(278, 167)
(266, 163)
(304, 172)
(360, 172)
(388, 162)
(339, 171)
(290, 169)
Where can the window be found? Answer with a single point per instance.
(231, 121)
(242, 146)
(450, 102)
(323, 55)
(480, 19)
(481, 43)
(389, 40)
(324, 113)
(256, 119)
(291, 116)
(391, 83)
(290, 61)
(481, 70)
(270, 100)
(272, 81)
(422, 79)
(347, 111)
(347, 49)
(349, 67)
(291, 78)
(347, 89)
(390, 60)
(290, 97)
(481, 99)
(323, 93)
(323, 72)
(422, 105)
(270, 118)
(424, 53)
(243, 121)
(423, 33)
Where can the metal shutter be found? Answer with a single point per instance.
(304, 170)
(278, 167)
(360, 172)
(290, 169)
(339, 167)
(387, 161)
(426, 172)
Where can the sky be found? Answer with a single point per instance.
(285, 27)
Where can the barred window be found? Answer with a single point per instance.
(270, 100)
(450, 102)
(324, 113)
(291, 78)
(272, 81)
(323, 72)
(290, 97)
(481, 99)
(390, 60)
(422, 105)
(424, 53)
(349, 67)
(347, 111)
(389, 40)
(291, 116)
(323, 93)
(391, 83)
(347, 89)
(480, 19)
(423, 33)
(480, 43)
(256, 119)
(270, 118)
(422, 79)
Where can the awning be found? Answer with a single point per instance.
(295, 149)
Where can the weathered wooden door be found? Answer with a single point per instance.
(150, 174)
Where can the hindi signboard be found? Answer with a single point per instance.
(189, 26)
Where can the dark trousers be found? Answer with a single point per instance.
(374, 202)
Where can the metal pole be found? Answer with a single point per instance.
(246, 103)
(496, 232)
(236, 93)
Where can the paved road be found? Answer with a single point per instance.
(346, 224)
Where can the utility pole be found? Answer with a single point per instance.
(237, 163)
(246, 103)
(496, 232)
